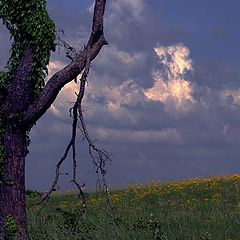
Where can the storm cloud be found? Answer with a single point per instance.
(163, 97)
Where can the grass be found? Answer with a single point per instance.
(194, 209)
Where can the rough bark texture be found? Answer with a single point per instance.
(58, 80)
(20, 112)
(20, 90)
(12, 197)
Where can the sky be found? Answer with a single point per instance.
(163, 98)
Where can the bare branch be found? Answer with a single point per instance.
(72, 142)
(100, 164)
(87, 55)
(46, 197)
(97, 27)
(58, 80)
(71, 71)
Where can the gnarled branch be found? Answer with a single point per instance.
(71, 71)
(80, 61)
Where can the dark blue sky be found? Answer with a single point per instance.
(163, 97)
(74, 5)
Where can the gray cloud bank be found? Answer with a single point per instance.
(158, 111)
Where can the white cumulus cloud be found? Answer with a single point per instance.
(170, 87)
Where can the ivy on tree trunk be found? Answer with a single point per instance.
(25, 98)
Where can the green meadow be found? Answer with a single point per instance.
(194, 209)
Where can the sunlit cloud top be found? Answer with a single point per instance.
(68, 92)
(176, 58)
(170, 87)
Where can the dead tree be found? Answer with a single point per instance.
(21, 107)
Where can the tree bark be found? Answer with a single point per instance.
(21, 111)
(12, 197)
(59, 80)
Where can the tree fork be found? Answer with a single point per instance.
(21, 108)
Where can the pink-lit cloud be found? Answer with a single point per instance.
(170, 86)
(67, 94)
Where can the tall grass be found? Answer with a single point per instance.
(196, 209)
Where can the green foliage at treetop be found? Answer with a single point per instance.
(28, 23)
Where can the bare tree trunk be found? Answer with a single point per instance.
(12, 197)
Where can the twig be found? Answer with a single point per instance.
(97, 33)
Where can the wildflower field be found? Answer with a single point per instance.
(192, 209)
